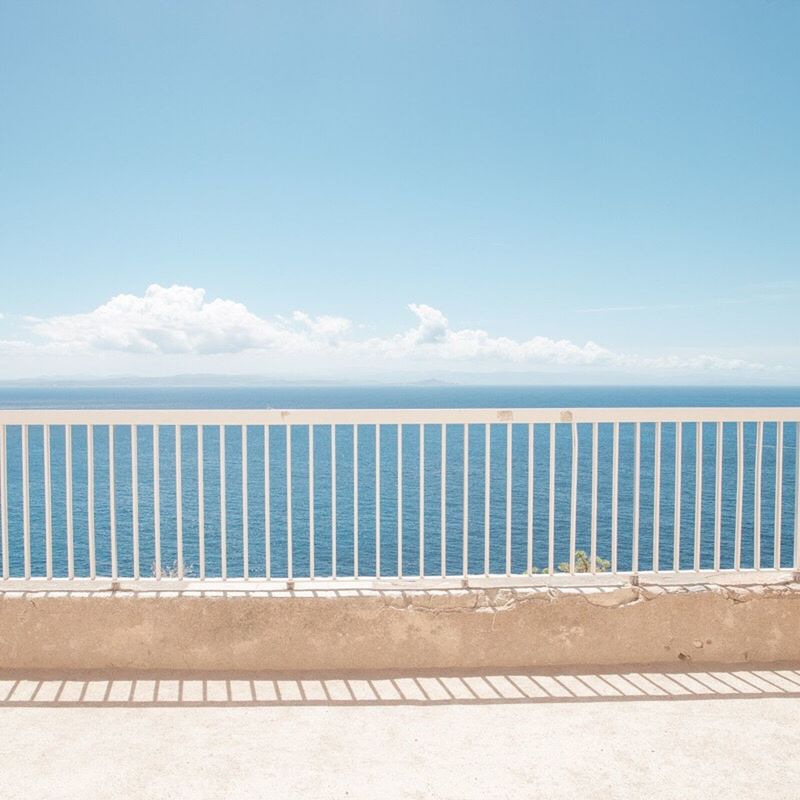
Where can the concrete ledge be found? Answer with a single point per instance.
(456, 629)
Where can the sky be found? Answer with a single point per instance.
(591, 191)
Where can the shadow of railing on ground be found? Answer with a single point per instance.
(169, 689)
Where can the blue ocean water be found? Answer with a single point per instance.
(401, 396)
(379, 539)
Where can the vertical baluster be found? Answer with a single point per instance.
(757, 497)
(4, 500)
(718, 430)
(26, 505)
(223, 507)
(698, 493)
(486, 498)
(737, 543)
(90, 497)
(422, 501)
(508, 498)
(657, 499)
(443, 499)
(179, 502)
(289, 552)
(135, 499)
(333, 501)
(778, 492)
(399, 501)
(68, 480)
(377, 500)
(595, 491)
(637, 480)
(465, 510)
(615, 499)
(676, 528)
(157, 499)
(355, 501)
(267, 511)
(529, 563)
(112, 504)
(311, 535)
(201, 504)
(573, 499)
(797, 501)
(48, 505)
(551, 521)
(245, 510)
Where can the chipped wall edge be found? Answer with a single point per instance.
(435, 629)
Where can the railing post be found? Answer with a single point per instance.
(465, 513)
(796, 575)
(377, 502)
(4, 553)
(179, 502)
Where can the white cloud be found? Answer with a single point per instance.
(16, 346)
(433, 337)
(324, 326)
(165, 320)
(180, 321)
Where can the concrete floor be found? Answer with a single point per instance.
(624, 734)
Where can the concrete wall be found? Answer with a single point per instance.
(402, 630)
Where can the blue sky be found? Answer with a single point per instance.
(600, 189)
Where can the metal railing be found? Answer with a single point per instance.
(397, 494)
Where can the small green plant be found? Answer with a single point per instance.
(583, 563)
(171, 571)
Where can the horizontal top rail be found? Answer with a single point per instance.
(392, 416)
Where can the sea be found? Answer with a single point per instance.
(410, 535)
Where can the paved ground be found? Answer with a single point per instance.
(698, 734)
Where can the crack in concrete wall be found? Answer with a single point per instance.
(499, 600)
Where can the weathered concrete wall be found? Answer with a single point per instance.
(403, 630)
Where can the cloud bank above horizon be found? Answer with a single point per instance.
(180, 322)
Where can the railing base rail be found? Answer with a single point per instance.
(322, 586)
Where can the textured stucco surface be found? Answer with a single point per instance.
(407, 630)
(614, 750)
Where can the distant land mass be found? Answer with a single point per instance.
(199, 380)
(507, 378)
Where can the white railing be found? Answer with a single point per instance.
(389, 494)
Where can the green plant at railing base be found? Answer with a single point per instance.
(171, 571)
(583, 563)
